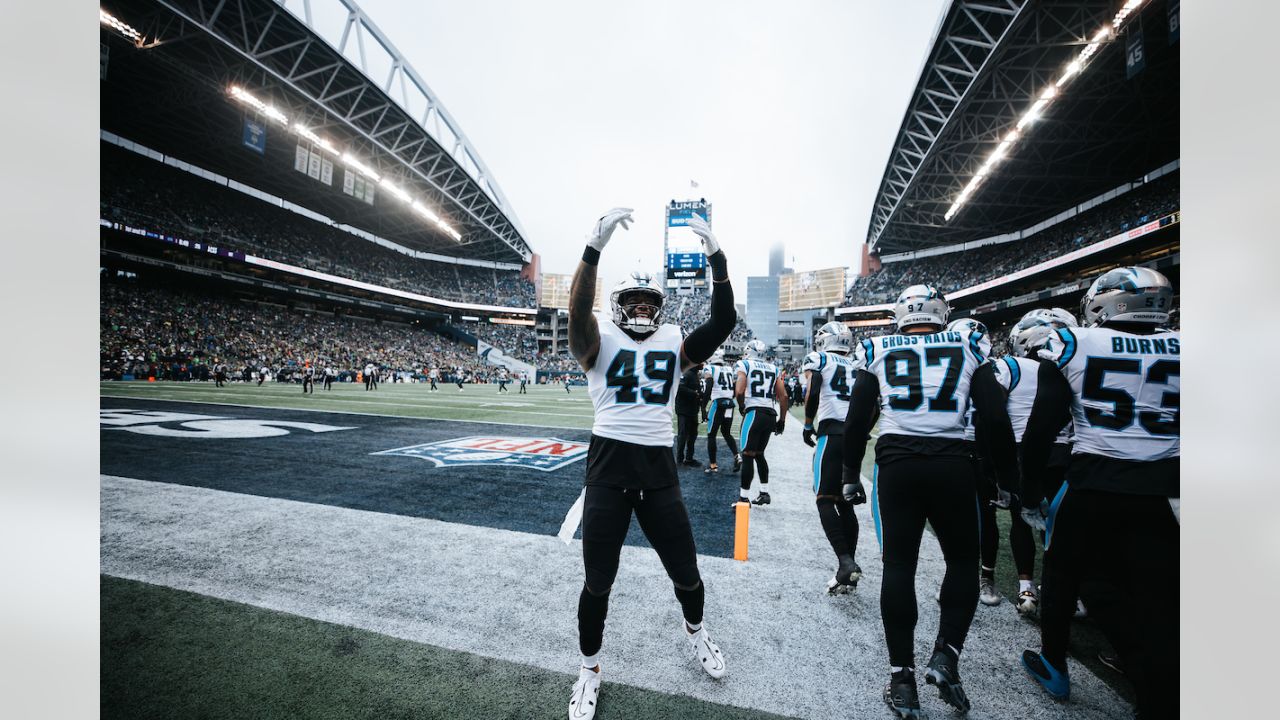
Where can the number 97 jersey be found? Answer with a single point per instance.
(1125, 390)
(632, 384)
(924, 380)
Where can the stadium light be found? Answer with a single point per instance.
(112, 22)
(1104, 35)
(353, 162)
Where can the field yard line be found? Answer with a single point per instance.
(337, 412)
(374, 401)
(513, 596)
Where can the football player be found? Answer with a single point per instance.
(632, 362)
(1114, 521)
(503, 379)
(309, 379)
(759, 385)
(828, 377)
(720, 413)
(922, 379)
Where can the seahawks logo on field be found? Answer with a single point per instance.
(545, 454)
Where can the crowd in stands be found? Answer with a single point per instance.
(690, 311)
(145, 193)
(157, 332)
(954, 271)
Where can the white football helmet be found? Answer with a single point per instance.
(755, 350)
(833, 337)
(717, 357)
(637, 303)
(968, 325)
(1128, 294)
(921, 305)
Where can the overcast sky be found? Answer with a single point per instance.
(782, 112)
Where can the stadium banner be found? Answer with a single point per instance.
(326, 171)
(313, 166)
(255, 136)
(813, 289)
(300, 158)
(1135, 58)
(349, 182)
(1175, 22)
(679, 212)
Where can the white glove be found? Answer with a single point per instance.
(605, 226)
(703, 230)
(1036, 517)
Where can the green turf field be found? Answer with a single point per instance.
(173, 654)
(161, 647)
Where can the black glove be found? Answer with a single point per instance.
(808, 435)
(853, 491)
(781, 425)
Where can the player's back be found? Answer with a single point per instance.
(760, 374)
(1125, 391)
(833, 374)
(924, 380)
(722, 378)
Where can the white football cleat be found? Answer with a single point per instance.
(706, 652)
(586, 691)
(987, 592)
(1028, 602)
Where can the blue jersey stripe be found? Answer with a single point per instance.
(1015, 372)
(1069, 351)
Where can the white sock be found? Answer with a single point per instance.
(692, 629)
(590, 661)
(896, 669)
(1024, 585)
(742, 497)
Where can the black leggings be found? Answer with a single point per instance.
(836, 515)
(606, 516)
(942, 491)
(1117, 547)
(1021, 542)
(686, 433)
(720, 421)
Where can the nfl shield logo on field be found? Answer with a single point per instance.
(545, 454)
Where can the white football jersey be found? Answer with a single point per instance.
(924, 380)
(632, 384)
(1125, 390)
(835, 373)
(722, 379)
(760, 382)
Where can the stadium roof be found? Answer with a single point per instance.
(989, 62)
(169, 87)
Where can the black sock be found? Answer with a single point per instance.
(748, 473)
(764, 471)
(849, 523)
(832, 526)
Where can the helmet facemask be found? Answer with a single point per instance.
(638, 310)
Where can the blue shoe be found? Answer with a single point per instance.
(1055, 682)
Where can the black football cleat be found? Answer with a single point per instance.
(901, 695)
(737, 462)
(944, 672)
(761, 499)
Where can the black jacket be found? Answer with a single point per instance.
(687, 393)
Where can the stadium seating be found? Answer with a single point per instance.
(954, 271)
(149, 194)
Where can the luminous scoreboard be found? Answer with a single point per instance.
(813, 289)
(686, 265)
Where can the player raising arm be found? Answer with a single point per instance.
(632, 362)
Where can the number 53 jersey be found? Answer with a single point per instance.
(632, 384)
(1125, 390)
(924, 380)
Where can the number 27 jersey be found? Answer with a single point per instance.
(924, 380)
(632, 384)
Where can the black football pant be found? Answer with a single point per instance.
(328, 383)
(943, 492)
(1124, 548)
(606, 516)
(839, 523)
(686, 433)
(720, 421)
(1021, 541)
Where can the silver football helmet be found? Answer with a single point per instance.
(717, 357)
(1032, 332)
(833, 337)
(755, 350)
(1128, 294)
(637, 303)
(921, 305)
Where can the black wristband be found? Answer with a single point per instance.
(590, 255)
(719, 265)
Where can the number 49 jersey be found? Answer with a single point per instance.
(632, 384)
(835, 374)
(924, 380)
(1125, 390)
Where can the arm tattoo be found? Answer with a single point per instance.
(584, 333)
